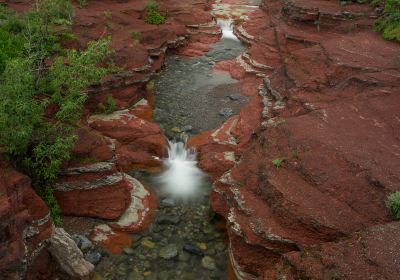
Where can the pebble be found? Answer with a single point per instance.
(168, 220)
(203, 246)
(187, 128)
(176, 130)
(93, 257)
(208, 263)
(135, 276)
(226, 112)
(82, 242)
(184, 257)
(192, 249)
(128, 251)
(147, 243)
(168, 252)
(168, 202)
(234, 97)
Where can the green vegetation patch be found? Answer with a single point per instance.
(35, 142)
(153, 15)
(393, 203)
(389, 21)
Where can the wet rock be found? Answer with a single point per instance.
(235, 97)
(203, 246)
(176, 130)
(147, 243)
(128, 251)
(82, 242)
(24, 223)
(187, 128)
(163, 275)
(168, 252)
(68, 255)
(208, 263)
(168, 202)
(183, 256)
(226, 112)
(135, 276)
(168, 219)
(193, 249)
(93, 257)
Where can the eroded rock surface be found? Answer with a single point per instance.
(68, 255)
(302, 173)
(25, 228)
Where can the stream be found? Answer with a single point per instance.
(186, 240)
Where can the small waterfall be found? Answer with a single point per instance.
(182, 179)
(227, 29)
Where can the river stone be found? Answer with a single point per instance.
(128, 251)
(168, 219)
(82, 242)
(234, 97)
(187, 128)
(192, 249)
(93, 257)
(183, 256)
(208, 263)
(135, 276)
(168, 202)
(147, 243)
(68, 255)
(168, 252)
(226, 112)
(176, 130)
(163, 275)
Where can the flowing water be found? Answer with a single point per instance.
(186, 240)
(182, 179)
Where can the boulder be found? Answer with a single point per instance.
(68, 255)
(105, 197)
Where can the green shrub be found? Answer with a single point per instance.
(393, 203)
(38, 145)
(277, 162)
(153, 15)
(48, 197)
(136, 36)
(109, 107)
(389, 22)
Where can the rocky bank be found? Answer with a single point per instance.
(302, 173)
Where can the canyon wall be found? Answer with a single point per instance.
(302, 174)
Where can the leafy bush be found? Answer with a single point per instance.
(393, 203)
(153, 15)
(389, 22)
(34, 143)
(109, 107)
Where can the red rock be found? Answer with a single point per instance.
(356, 257)
(91, 147)
(141, 211)
(129, 159)
(106, 197)
(112, 241)
(21, 210)
(123, 126)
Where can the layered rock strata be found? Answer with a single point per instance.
(316, 150)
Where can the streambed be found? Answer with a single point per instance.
(186, 240)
